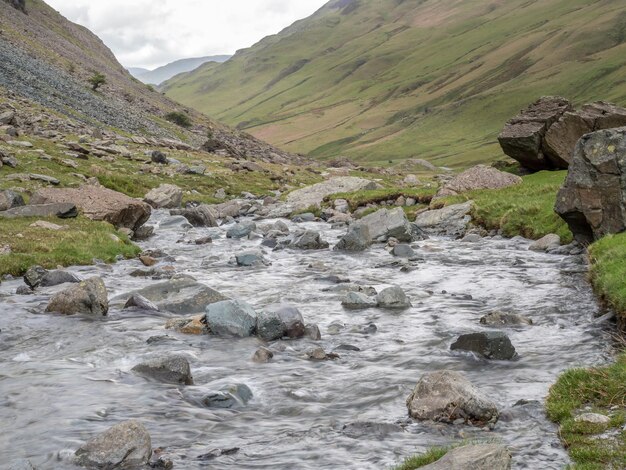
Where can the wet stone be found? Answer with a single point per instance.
(491, 345)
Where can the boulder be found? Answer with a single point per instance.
(55, 278)
(262, 356)
(241, 230)
(170, 369)
(312, 196)
(312, 331)
(505, 319)
(447, 396)
(358, 238)
(474, 457)
(251, 258)
(10, 199)
(99, 203)
(34, 275)
(200, 216)
(231, 318)
(166, 196)
(308, 240)
(139, 302)
(62, 211)
(490, 345)
(478, 177)
(592, 198)
(176, 222)
(182, 296)
(522, 137)
(195, 325)
(278, 321)
(126, 445)
(318, 354)
(449, 221)
(357, 301)
(549, 242)
(88, 297)
(158, 157)
(384, 224)
(393, 297)
(403, 251)
(232, 396)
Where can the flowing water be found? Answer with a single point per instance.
(65, 379)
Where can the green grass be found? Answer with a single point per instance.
(362, 198)
(526, 209)
(368, 93)
(608, 270)
(421, 460)
(78, 244)
(602, 390)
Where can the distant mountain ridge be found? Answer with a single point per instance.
(161, 74)
(379, 80)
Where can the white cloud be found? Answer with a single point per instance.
(149, 33)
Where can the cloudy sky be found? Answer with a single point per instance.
(150, 33)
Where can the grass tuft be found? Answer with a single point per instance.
(608, 266)
(421, 460)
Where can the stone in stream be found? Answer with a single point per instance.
(241, 230)
(34, 275)
(88, 297)
(312, 331)
(547, 243)
(308, 240)
(262, 356)
(230, 397)
(450, 221)
(384, 224)
(175, 222)
(474, 457)
(182, 296)
(491, 345)
(189, 326)
(393, 297)
(10, 199)
(57, 277)
(251, 258)
(166, 196)
(358, 238)
(125, 445)
(278, 321)
(170, 369)
(231, 318)
(318, 354)
(403, 251)
(357, 301)
(505, 319)
(200, 216)
(140, 302)
(447, 396)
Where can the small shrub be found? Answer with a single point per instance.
(97, 80)
(178, 118)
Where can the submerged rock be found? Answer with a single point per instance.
(171, 369)
(230, 397)
(87, 297)
(447, 396)
(474, 457)
(262, 356)
(505, 319)
(491, 345)
(126, 445)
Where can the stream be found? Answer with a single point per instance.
(65, 379)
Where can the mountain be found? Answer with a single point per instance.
(48, 60)
(161, 74)
(137, 71)
(380, 80)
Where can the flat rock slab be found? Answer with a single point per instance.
(315, 194)
(474, 457)
(62, 211)
(449, 221)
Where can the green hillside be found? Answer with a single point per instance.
(387, 79)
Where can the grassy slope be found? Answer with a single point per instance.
(395, 79)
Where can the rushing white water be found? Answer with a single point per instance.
(65, 379)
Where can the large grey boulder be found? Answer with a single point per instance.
(99, 203)
(478, 177)
(358, 238)
(10, 199)
(308, 240)
(474, 457)
(55, 278)
(385, 224)
(449, 221)
(251, 258)
(34, 275)
(231, 318)
(241, 230)
(278, 321)
(88, 297)
(550, 242)
(141, 303)
(182, 296)
(166, 196)
(170, 369)
(447, 396)
(126, 445)
(358, 301)
(393, 297)
(490, 345)
(592, 200)
(200, 216)
(312, 196)
(61, 210)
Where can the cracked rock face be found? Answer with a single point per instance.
(592, 198)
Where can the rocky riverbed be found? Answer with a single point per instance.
(66, 379)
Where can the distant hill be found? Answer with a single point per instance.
(161, 74)
(379, 80)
